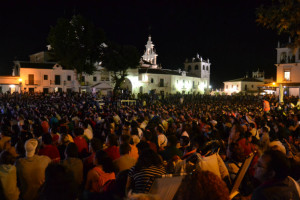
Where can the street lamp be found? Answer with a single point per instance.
(20, 85)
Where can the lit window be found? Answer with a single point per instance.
(287, 75)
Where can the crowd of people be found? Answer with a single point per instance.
(67, 146)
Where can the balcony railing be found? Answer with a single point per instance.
(32, 82)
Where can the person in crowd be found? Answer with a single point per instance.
(80, 142)
(48, 149)
(161, 138)
(272, 171)
(59, 184)
(31, 171)
(134, 151)
(101, 173)
(73, 163)
(112, 147)
(202, 185)
(171, 150)
(94, 145)
(125, 161)
(8, 176)
(88, 133)
(141, 176)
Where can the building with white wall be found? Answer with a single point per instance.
(243, 85)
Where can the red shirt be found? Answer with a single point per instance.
(113, 152)
(51, 151)
(81, 144)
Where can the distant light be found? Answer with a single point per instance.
(273, 83)
(20, 80)
(210, 87)
(12, 86)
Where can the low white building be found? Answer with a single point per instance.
(244, 85)
(41, 75)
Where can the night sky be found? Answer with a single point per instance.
(223, 31)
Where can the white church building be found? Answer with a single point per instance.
(150, 77)
(41, 74)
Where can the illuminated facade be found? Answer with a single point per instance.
(244, 85)
(41, 75)
(288, 69)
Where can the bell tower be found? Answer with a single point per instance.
(150, 55)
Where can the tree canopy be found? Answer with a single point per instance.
(283, 16)
(118, 59)
(77, 44)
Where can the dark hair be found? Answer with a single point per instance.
(47, 139)
(112, 139)
(172, 140)
(124, 148)
(6, 158)
(125, 138)
(160, 129)
(96, 144)
(147, 158)
(185, 140)
(105, 161)
(78, 131)
(278, 162)
(59, 183)
(203, 185)
(72, 150)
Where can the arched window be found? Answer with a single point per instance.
(246, 87)
(189, 68)
(207, 68)
(203, 67)
(196, 67)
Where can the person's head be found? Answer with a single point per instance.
(184, 141)
(95, 145)
(272, 165)
(6, 158)
(59, 183)
(78, 132)
(124, 139)
(160, 129)
(147, 158)
(47, 139)
(30, 147)
(203, 185)
(172, 140)
(111, 140)
(71, 151)
(264, 130)
(102, 159)
(124, 149)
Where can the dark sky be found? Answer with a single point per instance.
(223, 31)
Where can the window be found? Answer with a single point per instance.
(287, 75)
(152, 80)
(252, 86)
(189, 68)
(203, 67)
(57, 79)
(193, 84)
(207, 68)
(83, 79)
(246, 87)
(161, 83)
(226, 86)
(45, 77)
(95, 78)
(69, 78)
(196, 67)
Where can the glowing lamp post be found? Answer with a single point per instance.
(20, 85)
